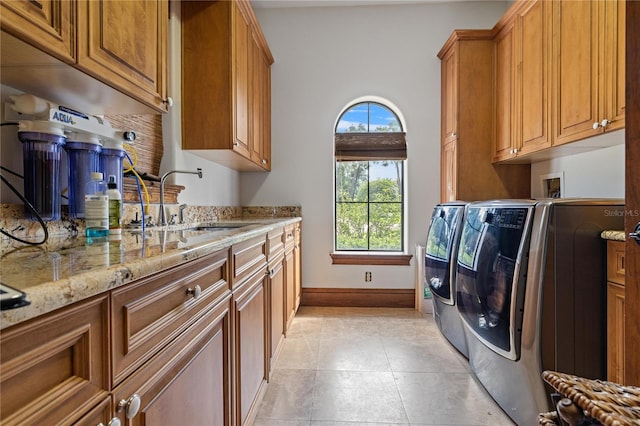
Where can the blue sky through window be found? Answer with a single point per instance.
(368, 117)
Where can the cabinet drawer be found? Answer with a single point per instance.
(247, 257)
(275, 243)
(150, 313)
(55, 368)
(615, 261)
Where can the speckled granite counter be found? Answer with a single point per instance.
(612, 235)
(73, 268)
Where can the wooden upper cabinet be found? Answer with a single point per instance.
(505, 143)
(467, 136)
(450, 96)
(241, 80)
(117, 51)
(613, 17)
(522, 82)
(533, 83)
(260, 102)
(125, 44)
(589, 47)
(46, 24)
(226, 86)
(448, 172)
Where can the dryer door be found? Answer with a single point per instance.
(491, 275)
(439, 251)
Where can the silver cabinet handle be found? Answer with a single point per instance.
(264, 161)
(636, 233)
(196, 291)
(130, 406)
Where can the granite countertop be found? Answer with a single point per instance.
(613, 235)
(72, 268)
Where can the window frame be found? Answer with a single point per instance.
(368, 256)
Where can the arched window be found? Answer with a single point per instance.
(370, 154)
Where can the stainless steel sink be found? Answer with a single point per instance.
(219, 226)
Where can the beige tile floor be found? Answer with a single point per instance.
(372, 367)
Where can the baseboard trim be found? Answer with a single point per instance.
(358, 297)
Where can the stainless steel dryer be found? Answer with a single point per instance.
(440, 270)
(531, 295)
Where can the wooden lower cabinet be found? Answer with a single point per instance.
(55, 368)
(188, 383)
(291, 286)
(615, 311)
(250, 355)
(151, 312)
(297, 269)
(277, 318)
(192, 345)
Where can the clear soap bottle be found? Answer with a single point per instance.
(96, 203)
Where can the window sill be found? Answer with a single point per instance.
(346, 258)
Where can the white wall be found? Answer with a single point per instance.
(597, 174)
(325, 58)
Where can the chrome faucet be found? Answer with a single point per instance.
(181, 209)
(162, 219)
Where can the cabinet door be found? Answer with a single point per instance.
(297, 261)
(55, 369)
(613, 16)
(46, 24)
(290, 279)
(533, 27)
(277, 317)
(188, 383)
(505, 141)
(615, 333)
(260, 105)
(450, 96)
(448, 172)
(241, 49)
(250, 346)
(576, 73)
(124, 44)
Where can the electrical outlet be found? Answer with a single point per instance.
(367, 277)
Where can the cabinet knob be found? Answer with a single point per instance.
(264, 161)
(113, 422)
(130, 406)
(169, 101)
(454, 134)
(604, 124)
(196, 291)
